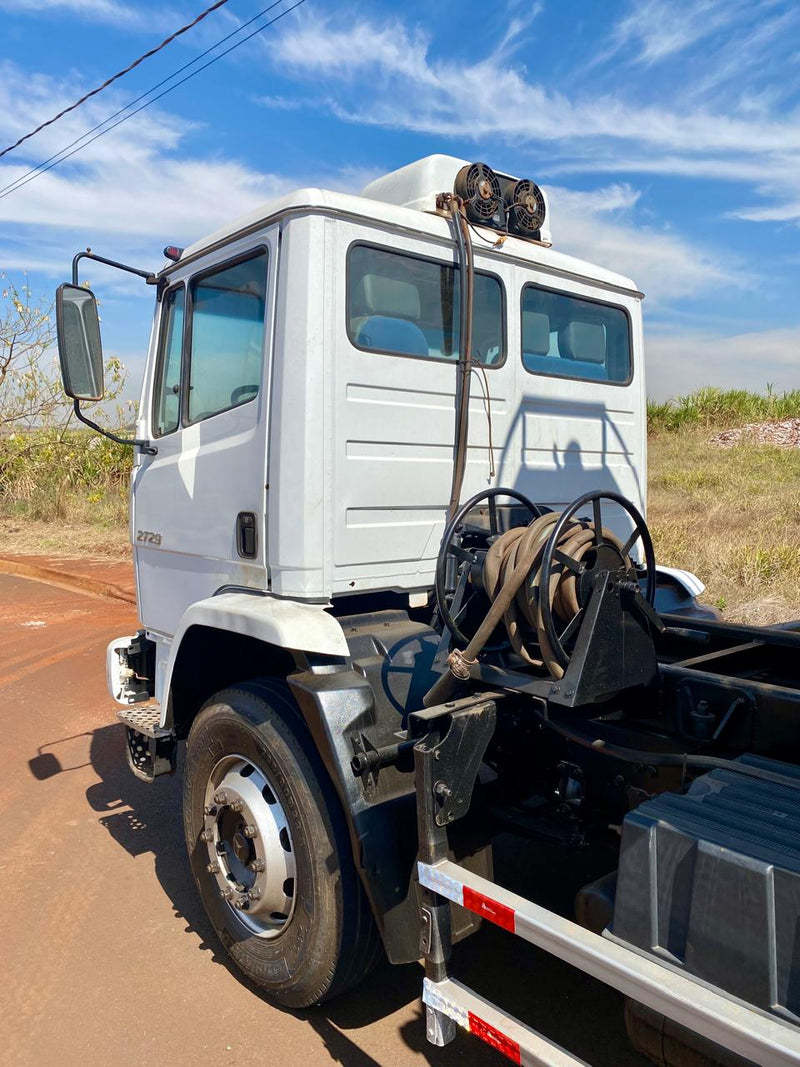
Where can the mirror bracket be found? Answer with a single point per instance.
(145, 446)
(148, 276)
(151, 279)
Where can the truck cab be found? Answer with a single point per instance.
(300, 393)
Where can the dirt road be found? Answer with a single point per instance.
(107, 957)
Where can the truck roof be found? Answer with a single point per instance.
(315, 200)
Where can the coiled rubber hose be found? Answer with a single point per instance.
(513, 581)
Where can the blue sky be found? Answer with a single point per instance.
(667, 134)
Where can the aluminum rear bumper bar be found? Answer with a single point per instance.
(750, 1033)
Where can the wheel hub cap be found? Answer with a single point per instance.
(250, 849)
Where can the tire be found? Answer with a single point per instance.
(321, 939)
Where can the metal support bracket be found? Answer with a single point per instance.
(451, 753)
(452, 742)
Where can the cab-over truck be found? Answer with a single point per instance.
(397, 592)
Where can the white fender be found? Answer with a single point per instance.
(688, 581)
(284, 623)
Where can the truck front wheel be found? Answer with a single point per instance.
(269, 848)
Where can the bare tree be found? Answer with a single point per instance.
(30, 382)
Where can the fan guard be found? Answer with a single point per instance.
(479, 188)
(526, 207)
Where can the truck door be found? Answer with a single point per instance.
(198, 506)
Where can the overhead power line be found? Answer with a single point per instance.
(114, 77)
(64, 154)
(22, 179)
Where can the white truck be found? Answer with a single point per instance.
(397, 591)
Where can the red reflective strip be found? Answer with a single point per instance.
(494, 1038)
(489, 909)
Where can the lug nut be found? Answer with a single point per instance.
(207, 835)
(249, 830)
(209, 809)
(254, 894)
(221, 797)
(212, 868)
(235, 805)
(242, 905)
(257, 865)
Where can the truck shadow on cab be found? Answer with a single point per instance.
(572, 1009)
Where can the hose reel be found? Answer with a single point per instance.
(530, 586)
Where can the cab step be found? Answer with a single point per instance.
(150, 749)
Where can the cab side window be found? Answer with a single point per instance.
(407, 305)
(167, 407)
(565, 336)
(227, 337)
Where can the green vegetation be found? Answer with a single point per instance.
(69, 475)
(51, 469)
(720, 409)
(732, 516)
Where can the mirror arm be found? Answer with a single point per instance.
(146, 447)
(148, 276)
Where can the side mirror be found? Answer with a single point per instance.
(79, 347)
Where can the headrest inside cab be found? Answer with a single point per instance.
(378, 295)
(535, 333)
(584, 341)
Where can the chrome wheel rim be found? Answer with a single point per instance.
(250, 848)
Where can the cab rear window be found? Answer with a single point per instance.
(567, 337)
(407, 305)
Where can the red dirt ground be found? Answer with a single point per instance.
(107, 957)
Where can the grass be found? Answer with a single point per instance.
(719, 409)
(63, 492)
(732, 516)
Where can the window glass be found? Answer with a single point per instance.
(167, 400)
(572, 338)
(400, 303)
(227, 337)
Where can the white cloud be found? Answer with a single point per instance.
(130, 182)
(136, 190)
(661, 29)
(411, 88)
(109, 11)
(131, 191)
(281, 103)
(594, 226)
(682, 362)
(516, 32)
(435, 91)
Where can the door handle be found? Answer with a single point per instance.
(246, 534)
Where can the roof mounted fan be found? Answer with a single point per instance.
(526, 208)
(479, 188)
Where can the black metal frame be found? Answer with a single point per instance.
(151, 279)
(451, 741)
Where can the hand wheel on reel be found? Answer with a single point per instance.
(452, 611)
(600, 552)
